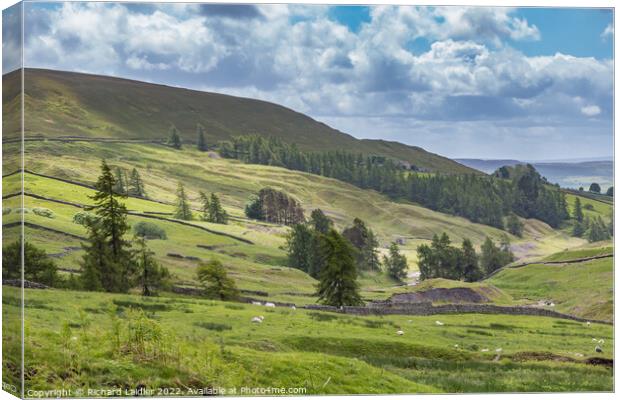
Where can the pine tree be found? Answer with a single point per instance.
(151, 276)
(338, 279)
(299, 247)
(469, 262)
(577, 211)
(174, 139)
(201, 142)
(108, 257)
(595, 188)
(204, 206)
(136, 186)
(182, 210)
(320, 222)
(216, 283)
(396, 263)
(217, 214)
(121, 177)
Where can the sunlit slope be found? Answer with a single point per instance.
(71, 104)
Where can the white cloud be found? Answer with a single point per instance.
(590, 111)
(609, 31)
(297, 56)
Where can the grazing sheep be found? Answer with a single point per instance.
(456, 346)
(400, 333)
(588, 323)
(484, 350)
(269, 304)
(293, 307)
(598, 349)
(439, 323)
(578, 354)
(498, 350)
(257, 303)
(257, 320)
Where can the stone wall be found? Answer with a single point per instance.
(386, 308)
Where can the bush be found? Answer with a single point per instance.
(588, 207)
(83, 218)
(6, 210)
(149, 230)
(22, 210)
(43, 212)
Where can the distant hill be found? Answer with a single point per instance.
(566, 174)
(72, 104)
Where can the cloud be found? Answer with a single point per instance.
(298, 56)
(590, 111)
(609, 31)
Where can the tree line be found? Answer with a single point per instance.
(484, 199)
(336, 258)
(593, 229)
(442, 260)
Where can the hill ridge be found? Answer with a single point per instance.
(61, 103)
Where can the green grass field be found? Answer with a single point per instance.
(81, 340)
(97, 340)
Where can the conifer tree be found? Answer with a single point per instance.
(216, 283)
(320, 222)
(120, 186)
(577, 210)
(174, 139)
(469, 262)
(108, 257)
(182, 210)
(204, 206)
(217, 214)
(201, 142)
(395, 263)
(136, 186)
(151, 275)
(338, 279)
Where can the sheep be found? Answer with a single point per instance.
(484, 350)
(588, 323)
(268, 304)
(293, 308)
(601, 341)
(594, 340)
(598, 349)
(456, 346)
(257, 320)
(400, 333)
(498, 350)
(257, 303)
(439, 323)
(578, 354)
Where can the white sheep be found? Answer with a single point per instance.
(268, 304)
(456, 346)
(484, 350)
(439, 323)
(498, 350)
(257, 303)
(257, 320)
(400, 333)
(588, 323)
(293, 307)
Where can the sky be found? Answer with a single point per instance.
(520, 83)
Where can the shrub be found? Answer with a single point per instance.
(149, 230)
(84, 218)
(588, 207)
(6, 210)
(22, 210)
(43, 212)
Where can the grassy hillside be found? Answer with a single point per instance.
(71, 104)
(584, 289)
(79, 340)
